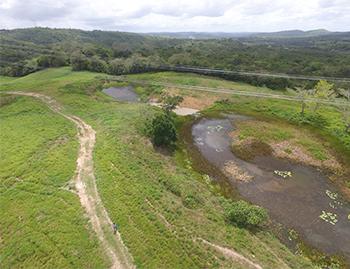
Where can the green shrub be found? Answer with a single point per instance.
(244, 214)
(162, 130)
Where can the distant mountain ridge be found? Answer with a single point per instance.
(220, 35)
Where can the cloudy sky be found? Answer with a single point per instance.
(178, 15)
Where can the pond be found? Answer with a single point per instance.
(126, 94)
(303, 200)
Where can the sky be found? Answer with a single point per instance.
(177, 15)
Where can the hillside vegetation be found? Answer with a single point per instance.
(26, 50)
(163, 208)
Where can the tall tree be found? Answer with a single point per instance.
(323, 90)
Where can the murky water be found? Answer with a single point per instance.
(296, 201)
(126, 94)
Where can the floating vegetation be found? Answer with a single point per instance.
(332, 195)
(199, 141)
(334, 204)
(292, 235)
(217, 128)
(329, 217)
(283, 174)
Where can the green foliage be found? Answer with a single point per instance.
(246, 215)
(55, 60)
(163, 131)
(79, 62)
(323, 89)
(169, 102)
(139, 53)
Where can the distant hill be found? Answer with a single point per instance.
(317, 52)
(238, 35)
(200, 35)
(295, 34)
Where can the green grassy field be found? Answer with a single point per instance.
(199, 80)
(42, 224)
(138, 186)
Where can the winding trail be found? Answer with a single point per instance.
(86, 189)
(227, 252)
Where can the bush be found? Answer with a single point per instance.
(244, 214)
(162, 130)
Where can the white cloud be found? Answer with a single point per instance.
(179, 15)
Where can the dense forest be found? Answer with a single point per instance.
(24, 51)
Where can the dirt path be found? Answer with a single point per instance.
(86, 189)
(227, 252)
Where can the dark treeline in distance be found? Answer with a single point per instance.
(23, 51)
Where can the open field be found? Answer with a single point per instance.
(42, 222)
(160, 214)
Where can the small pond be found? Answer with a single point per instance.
(126, 94)
(297, 201)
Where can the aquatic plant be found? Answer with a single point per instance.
(329, 217)
(283, 174)
(332, 195)
(292, 234)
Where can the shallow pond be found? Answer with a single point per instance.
(297, 201)
(126, 94)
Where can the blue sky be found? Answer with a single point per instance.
(178, 15)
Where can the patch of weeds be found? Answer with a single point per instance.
(288, 151)
(191, 201)
(86, 88)
(7, 100)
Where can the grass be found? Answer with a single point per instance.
(131, 176)
(271, 132)
(327, 123)
(42, 224)
(200, 80)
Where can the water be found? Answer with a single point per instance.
(126, 94)
(297, 202)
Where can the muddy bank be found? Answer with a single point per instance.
(306, 201)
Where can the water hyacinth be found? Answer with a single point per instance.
(217, 128)
(329, 217)
(283, 174)
(332, 195)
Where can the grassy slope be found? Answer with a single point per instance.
(42, 225)
(198, 80)
(129, 171)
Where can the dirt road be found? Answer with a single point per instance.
(86, 189)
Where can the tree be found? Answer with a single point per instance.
(117, 67)
(79, 61)
(97, 65)
(346, 112)
(163, 131)
(323, 90)
(302, 95)
(245, 214)
(169, 103)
